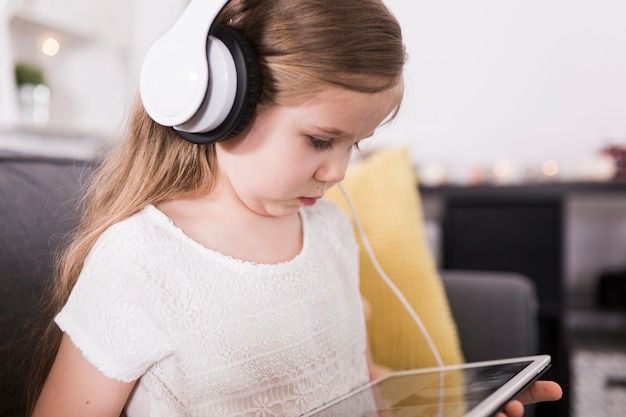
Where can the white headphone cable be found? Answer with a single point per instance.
(390, 283)
(400, 297)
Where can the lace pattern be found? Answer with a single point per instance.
(210, 335)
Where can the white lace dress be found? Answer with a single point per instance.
(209, 335)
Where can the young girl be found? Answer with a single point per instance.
(213, 279)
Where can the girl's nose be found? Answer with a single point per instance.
(333, 169)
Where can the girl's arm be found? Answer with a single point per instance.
(376, 371)
(74, 387)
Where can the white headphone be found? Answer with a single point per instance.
(201, 78)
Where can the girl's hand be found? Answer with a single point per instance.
(538, 392)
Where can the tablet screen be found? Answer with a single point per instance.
(451, 392)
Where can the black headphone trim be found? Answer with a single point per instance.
(248, 88)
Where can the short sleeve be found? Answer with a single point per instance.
(111, 313)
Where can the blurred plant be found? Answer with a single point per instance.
(28, 74)
(618, 153)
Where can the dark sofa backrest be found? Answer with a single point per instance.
(38, 207)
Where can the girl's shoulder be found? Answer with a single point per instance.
(144, 229)
(144, 218)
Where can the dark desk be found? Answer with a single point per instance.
(518, 228)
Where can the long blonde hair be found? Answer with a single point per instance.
(302, 46)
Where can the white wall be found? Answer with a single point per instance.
(522, 80)
(150, 19)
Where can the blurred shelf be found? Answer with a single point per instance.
(597, 321)
(538, 190)
(52, 142)
(87, 78)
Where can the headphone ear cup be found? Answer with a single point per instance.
(249, 80)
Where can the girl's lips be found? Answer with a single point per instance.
(308, 201)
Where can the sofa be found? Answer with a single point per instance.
(495, 313)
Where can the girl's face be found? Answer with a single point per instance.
(290, 155)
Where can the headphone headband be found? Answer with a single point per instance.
(175, 74)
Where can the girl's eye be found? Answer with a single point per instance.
(320, 144)
(324, 144)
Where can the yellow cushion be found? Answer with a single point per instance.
(383, 190)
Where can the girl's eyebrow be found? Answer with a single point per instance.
(339, 133)
(331, 131)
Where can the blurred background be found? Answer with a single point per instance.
(514, 114)
(515, 82)
(492, 88)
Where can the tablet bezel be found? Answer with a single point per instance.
(537, 366)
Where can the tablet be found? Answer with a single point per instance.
(478, 389)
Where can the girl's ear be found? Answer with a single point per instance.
(248, 90)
